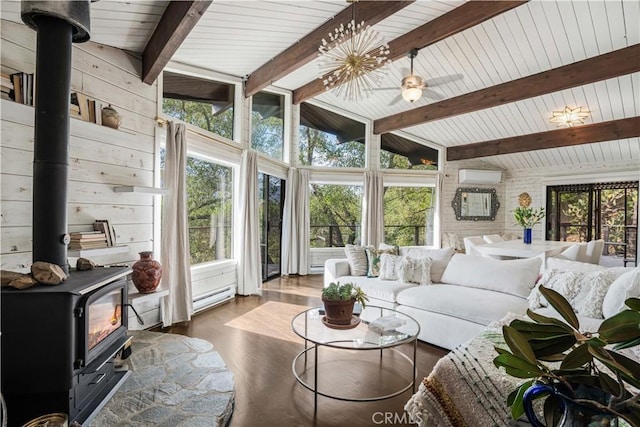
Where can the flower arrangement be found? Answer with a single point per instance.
(524, 214)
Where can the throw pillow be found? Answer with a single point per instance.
(357, 259)
(439, 259)
(624, 287)
(416, 270)
(373, 257)
(585, 292)
(554, 263)
(390, 267)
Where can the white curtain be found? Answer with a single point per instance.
(373, 212)
(176, 266)
(249, 276)
(295, 223)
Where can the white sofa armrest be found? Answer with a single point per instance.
(334, 269)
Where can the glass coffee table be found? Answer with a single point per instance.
(388, 330)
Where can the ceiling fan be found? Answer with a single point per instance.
(413, 86)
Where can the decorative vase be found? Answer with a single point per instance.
(573, 414)
(339, 312)
(146, 273)
(527, 235)
(110, 117)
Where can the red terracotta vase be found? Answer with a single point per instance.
(146, 273)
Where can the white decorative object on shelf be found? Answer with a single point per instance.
(109, 250)
(138, 189)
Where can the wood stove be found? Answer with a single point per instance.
(59, 343)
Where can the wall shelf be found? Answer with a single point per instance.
(138, 189)
(109, 250)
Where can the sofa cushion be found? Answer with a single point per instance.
(440, 258)
(386, 290)
(357, 259)
(625, 286)
(514, 277)
(471, 304)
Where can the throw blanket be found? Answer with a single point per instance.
(465, 389)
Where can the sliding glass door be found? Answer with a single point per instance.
(271, 201)
(607, 211)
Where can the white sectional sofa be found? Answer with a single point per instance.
(467, 292)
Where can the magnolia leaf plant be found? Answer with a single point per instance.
(584, 360)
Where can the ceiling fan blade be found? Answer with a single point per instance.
(395, 100)
(430, 93)
(385, 88)
(444, 79)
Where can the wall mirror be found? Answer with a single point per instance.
(475, 204)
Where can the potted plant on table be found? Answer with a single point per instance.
(338, 303)
(526, 216)
(591, 383)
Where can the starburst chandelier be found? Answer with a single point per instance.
(569, 116)
(351, 61)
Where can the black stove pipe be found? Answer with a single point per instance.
(58, 24)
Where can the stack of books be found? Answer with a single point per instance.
(6, 86)
(84, 108)
(103, 226)
(87, 240)
(23, 84)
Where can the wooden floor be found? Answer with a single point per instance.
(260, 355)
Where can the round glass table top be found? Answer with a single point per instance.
(386, 328)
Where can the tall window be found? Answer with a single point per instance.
(267, 124)
(209, 209)
(401, 153)
(203, 103)
(335, 214)
(606, 211)
(409, 215)
(330, 140)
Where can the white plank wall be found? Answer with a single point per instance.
(100, 157)
(449, 186)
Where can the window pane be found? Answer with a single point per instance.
(267, 124)
(203, 103)
(335, 214)
(402, 153)
(330, 140)
(408, 215)
(209, 207)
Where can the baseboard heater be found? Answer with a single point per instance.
(212, 298)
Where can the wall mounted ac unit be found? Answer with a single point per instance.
(479, 176)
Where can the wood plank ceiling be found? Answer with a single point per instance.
(238, 37)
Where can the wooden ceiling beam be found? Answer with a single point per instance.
(459, 19)
(613, 64)
(176, 23)
(587, 134)
(305, 50)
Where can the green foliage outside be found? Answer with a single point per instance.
(318, 148)
(407, 213)
(267, 135)
(335, 214)
(389, 160)
(270, 213)
(200, 114)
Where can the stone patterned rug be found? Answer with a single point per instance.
(176, 381)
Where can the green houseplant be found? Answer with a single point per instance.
(589, 371)
(339, 301)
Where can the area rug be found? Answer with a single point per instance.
(272, 319)
(175, 381)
